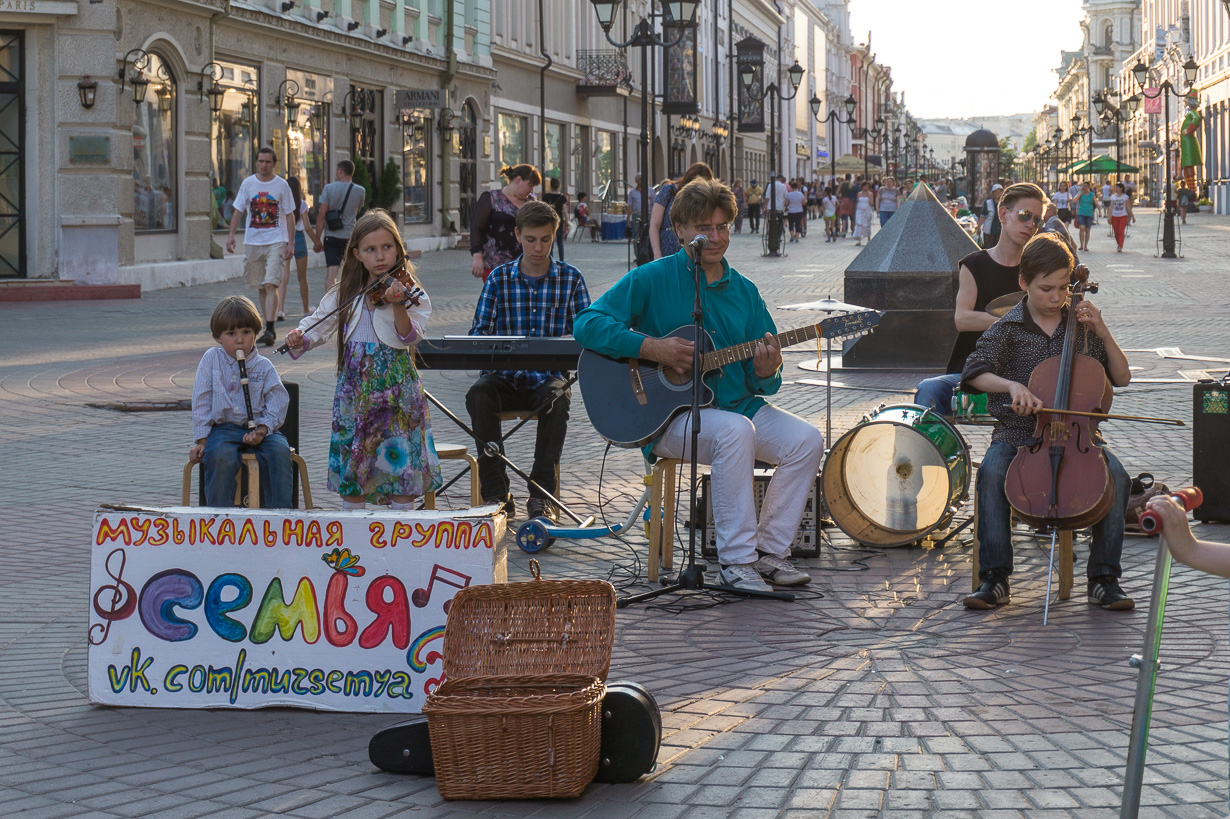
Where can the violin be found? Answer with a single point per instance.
(378, 291)
(1060, 478)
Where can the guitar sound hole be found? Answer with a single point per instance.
(674, 379)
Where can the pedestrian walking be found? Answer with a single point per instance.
(1086, 203)
(559, 203)
(303, 231)
(862, 214)
(661, 231)
(989, 222)
(337, 209)
(755, 195)
(265, 202)
(230, 417)
(889, 198)
(493, 224)
(829, 207)
(1120, 207)
(381, 450)
(795, 203)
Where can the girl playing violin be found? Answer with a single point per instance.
(382, 449)
(1001, 365)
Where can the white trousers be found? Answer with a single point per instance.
(731, 444)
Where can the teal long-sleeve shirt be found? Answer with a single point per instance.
(656, 298)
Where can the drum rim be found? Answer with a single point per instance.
(912, 536)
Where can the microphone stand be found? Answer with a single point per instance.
(692, 577)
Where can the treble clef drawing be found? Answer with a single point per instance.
(122, 603)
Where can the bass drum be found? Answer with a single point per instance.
(897, 476)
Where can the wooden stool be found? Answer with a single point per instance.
(1063, 559)
(456, 452)
(248, 468)
(661, 483)
(522, 415)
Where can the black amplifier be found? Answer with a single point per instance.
(1211, 448)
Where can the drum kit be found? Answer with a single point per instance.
(900, 474)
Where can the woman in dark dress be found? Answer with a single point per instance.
(493, 240)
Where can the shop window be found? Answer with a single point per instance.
(512, 139)
(234, 136)
(153, 152)
(418, 128)
(307, 137)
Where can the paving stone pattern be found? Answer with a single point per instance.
(876, 694)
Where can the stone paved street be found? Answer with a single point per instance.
(875, 694)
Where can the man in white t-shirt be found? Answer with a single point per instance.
(269, 206)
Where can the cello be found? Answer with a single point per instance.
(1060, 479)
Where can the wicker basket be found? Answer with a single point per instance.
(516, 737)
(518, 716)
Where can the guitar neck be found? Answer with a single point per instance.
(744, 351)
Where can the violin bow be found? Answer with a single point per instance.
(1144, 419)
(285, 348)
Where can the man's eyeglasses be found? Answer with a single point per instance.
(712, 230)
(1026, 216)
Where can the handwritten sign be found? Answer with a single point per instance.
(246, 608)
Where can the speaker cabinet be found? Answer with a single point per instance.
(1211, 448)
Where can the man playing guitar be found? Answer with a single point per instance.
(740, 427)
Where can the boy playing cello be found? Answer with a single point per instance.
(1001, 365)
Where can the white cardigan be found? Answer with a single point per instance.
(382, 320)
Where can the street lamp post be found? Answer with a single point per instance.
(1141, 73)
(1108, 113)
(644, 38)
(878, 133)
(832, 118)
(747, 76)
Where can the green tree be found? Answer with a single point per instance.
(364, 180)
(388, 189)
(1031, 139)
(1007, 158)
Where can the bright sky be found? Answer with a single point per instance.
(952, 58)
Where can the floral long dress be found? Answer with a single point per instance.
(382, 443)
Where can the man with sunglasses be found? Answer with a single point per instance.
(630, 321)
(984, 276)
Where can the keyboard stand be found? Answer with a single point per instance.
(482, 448)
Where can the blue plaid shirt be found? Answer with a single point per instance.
(513, 304)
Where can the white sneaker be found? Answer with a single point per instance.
(780, 572)
(742, 576)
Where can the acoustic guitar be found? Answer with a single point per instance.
(630, 401)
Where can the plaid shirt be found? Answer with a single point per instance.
(513, 304)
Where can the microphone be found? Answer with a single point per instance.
(698, 244)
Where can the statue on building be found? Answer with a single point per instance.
(1190, 157)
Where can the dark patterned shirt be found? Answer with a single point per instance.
(513, 304)
(492, 229)
(1011, 348)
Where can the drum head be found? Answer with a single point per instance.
(887, 483)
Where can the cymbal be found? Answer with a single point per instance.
(827, 305)
(999, 307)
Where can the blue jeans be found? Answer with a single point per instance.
(936, 393)
(223, 449)
(885, 215)
(995, 518)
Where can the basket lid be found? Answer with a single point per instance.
(536, 627)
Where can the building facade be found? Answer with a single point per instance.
(157, 108)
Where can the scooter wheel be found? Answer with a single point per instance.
(532, 536)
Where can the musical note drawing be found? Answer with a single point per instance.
(420, 597)
(342, 560)
(123, 599)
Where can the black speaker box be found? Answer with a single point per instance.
(1211, 448)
